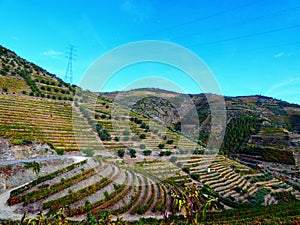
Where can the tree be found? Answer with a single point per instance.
(169, 142)
(143, 125)
(142, 136)
(198, 152)
(173, 159)
(195, 176)
(186, 169)
(147, 152)
(162, 153)
(168, 153)
(132, 153)
(142, 146)
(117, 138)
(121, 153)
(161, 146)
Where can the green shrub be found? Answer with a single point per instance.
(121, 153)
(238, 189)
(126, 132)
(126, 138)
(17, 142)
(179, 164)
(168, 153)
(198, 152)
(195, 176)
(161, 146)
(88, 152)
(132, 153)
(147, 152)
(117, 138)
(186, 169)
(60, 151)
(173, 159)
(35, 166)
(142, 136)
(169, 142)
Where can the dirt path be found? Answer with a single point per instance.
(77, 158)
(7, 212)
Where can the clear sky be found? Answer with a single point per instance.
(252, 47)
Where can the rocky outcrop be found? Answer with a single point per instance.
(26, 150)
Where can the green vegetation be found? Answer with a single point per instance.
(132, 153)
(165, 153)
(158, 185)
(170, 141)
(103, 133)
(121, 153)
(285, 196)
(42, 179)
(238, 132)
(31, 83)
(270, 154)
(47, 190)
(161, 146)
(198, 152)
(186, 169)
(265, 177)
(295, 122)
(259, 197)
(142, 136)
(17, 142)
(147, 152)
(76, 196)
(195, 176)
(88, 152)
(173, 159)
(287, 213)
(35, 166)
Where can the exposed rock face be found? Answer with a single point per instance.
(33, 150)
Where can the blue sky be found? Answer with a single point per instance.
(251, 47)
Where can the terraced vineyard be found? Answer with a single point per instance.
(131, 130)
(43, 120)
(137, 163)
(98, 184)
(92, 185)
(233, 180)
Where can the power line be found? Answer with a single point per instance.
(205, 18)
(69, 70)
(261, 48)
(246, 36)
(278, 13)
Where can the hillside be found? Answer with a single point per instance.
(258, 120)
(127, 152)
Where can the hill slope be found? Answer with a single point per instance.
(35, 105)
